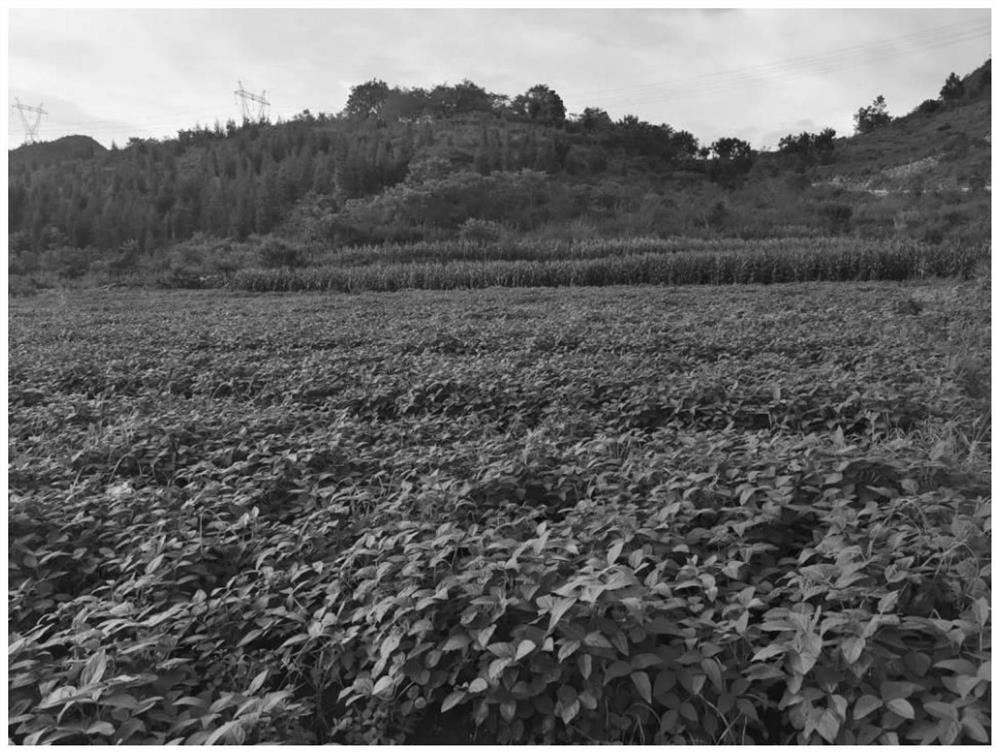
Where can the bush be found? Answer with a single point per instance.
(929, 106)
(478, 230)
(836, 217)
(274, 252)
(21, 285)
(65, 261)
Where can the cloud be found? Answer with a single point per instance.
(703, 70)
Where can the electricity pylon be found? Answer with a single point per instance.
(30, 127)
(249, 99)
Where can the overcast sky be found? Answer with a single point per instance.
(752, 73)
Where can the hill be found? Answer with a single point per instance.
(939, 146)
(54, 152)
(457, 162)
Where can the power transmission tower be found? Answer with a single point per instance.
(30, 127)
(249, 99)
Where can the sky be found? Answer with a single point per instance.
(757, 74)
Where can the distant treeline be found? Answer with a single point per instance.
(455, 162)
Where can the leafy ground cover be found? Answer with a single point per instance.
(662, 515)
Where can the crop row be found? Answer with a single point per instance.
(781, 264)
(517, 249)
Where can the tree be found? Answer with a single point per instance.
(733, 160)
(867, 119)
(366, 100)
(808, 148)
(684, 143)
(542, 104)
(953, 88)
(595, 119)
(405, 104)
(465, 97)
(823, 144)
(733, 150)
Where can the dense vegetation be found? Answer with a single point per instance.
(457, 162)
(630, 515)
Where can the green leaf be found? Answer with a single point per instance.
(688, 712)
(615, 550)
(616, 670)
(127, 701)
(455, 697)
(865, 705)
(981, 611)
(975, 730)
(897, 689)
(586, 665)
(942, 710)
(460, 641)
(231, 731)
(644, 660)
(567, 711)
(983, 673)
(100, 728)
(665, 680)
(566, 695)
(851, 648)
(902, 708)
(964, 684)
(668, 721)
(478, 685)
(509, 708)
(958, 666)
(525, 648)
(57, 696)
(559, 609)
(567, 649)
(498, 666)
(918, 663)
(93, 671)
(641, 681)
(693, 682)
(257, 682)
(713, 670)
(597, 639)
(483, 636)
(771, 650)
(828, 726)
(888, 602)
(383, 684)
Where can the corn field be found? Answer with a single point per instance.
(626, 262)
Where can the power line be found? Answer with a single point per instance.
(919, 41)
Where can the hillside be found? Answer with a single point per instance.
(54, 152)
(462, 163)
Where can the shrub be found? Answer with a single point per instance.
(929, 106)
(274, 252)
(478, 230)
(21, 285)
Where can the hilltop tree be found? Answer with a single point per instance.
(542, 104)
(366, 100)
(684, 143)
(732, 150)
(953, 88)
(733, 160)
(809, 148)
(465, 97)
(876, 115)
(595, 119)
